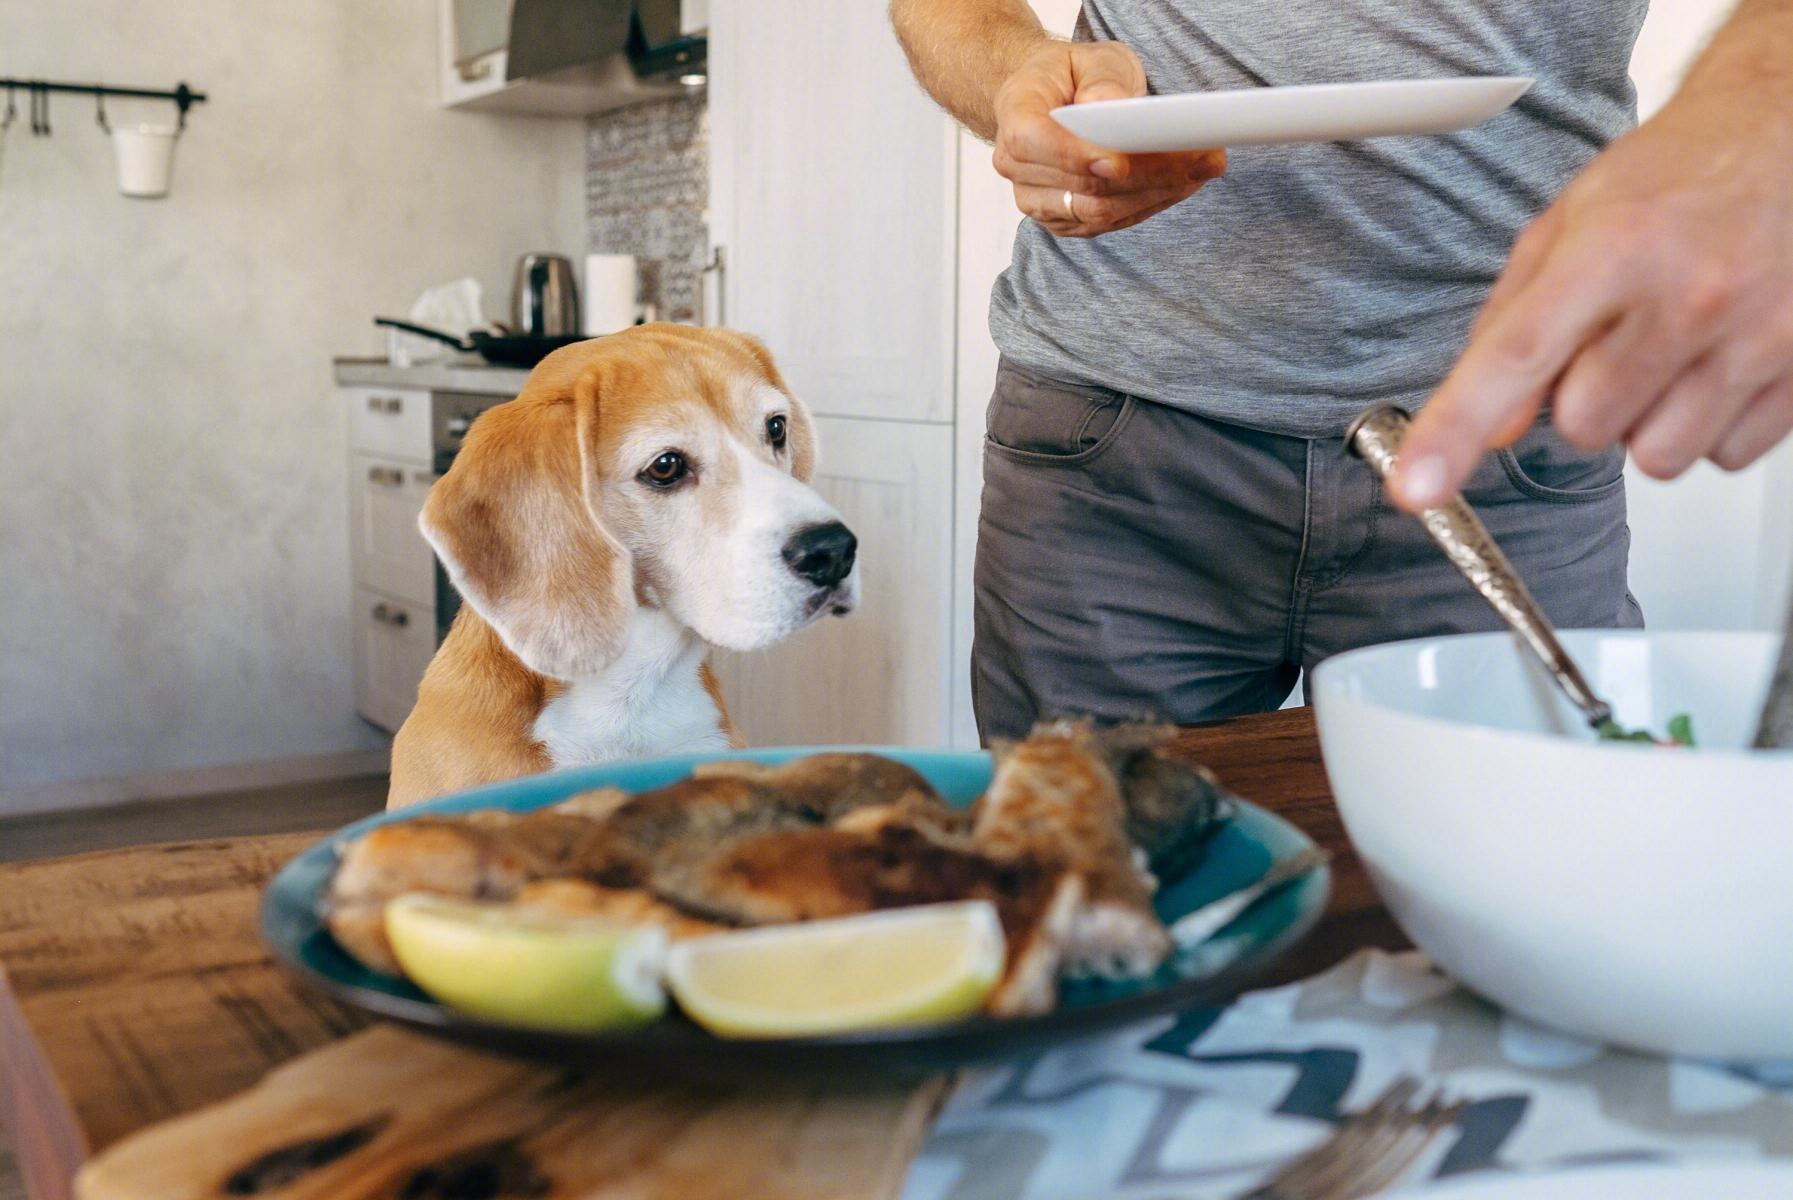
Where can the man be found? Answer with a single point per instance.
(1171, 522)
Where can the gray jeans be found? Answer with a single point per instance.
(1138, 560)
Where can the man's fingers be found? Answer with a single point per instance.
(1759, 428)
(1166, 170)
(1106, 71)
(1044, 205)
(1037, 138)
(1693, 416)
(1145, 214)
(1443, 446)
(1137, 173)
(1521, 420)
(1510, 362)
(1087, 216)
(1529, 254)
(1193, 166)
(1119, 211)
(1617, 377)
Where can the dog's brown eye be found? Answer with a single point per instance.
(666, 470)
(775, 432)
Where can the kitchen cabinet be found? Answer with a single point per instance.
(389, 421)
(859, 232)
(473, 60)
(386, 551)
(394, 642)
(832, 185)
(393, 569)
(403, 422)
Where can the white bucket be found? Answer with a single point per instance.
(145, 158)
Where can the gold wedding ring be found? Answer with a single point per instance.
(1071, 207)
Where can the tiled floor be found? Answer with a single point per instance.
(285, 809)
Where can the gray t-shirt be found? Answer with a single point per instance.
(1314, 280)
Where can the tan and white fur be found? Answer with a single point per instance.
(593, 589)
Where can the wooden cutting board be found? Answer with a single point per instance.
(391, 1114)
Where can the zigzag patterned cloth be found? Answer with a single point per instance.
(1209, 1104)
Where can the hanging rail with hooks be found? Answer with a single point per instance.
(38, 93)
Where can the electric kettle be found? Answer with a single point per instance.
(544, 299)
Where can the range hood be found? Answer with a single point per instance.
(615, 52)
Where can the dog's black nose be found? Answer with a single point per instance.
(822, 554)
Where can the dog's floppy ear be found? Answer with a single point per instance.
(513, 523)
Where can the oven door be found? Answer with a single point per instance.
(451, 416)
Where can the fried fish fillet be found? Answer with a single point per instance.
(481, 856)
(819, 872)
(606, 836)
(1173, 806)
(812, 874)
(624, 906)
(837, 785)
(1053, 845)
(1055, 797)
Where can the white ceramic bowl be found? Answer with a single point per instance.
(1638, 895)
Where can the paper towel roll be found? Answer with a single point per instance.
(609, 293)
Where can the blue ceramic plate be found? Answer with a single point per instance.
(1239, 853)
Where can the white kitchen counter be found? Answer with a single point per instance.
(461, 374)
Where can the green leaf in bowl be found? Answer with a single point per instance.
(1680, 732)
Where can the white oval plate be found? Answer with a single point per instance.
(1328, 112)
(1731, 1181)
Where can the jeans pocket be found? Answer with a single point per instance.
(1041, 421)
(1542, 466)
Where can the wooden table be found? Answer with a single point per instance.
(139, 990)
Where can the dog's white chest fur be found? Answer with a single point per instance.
(650, 701)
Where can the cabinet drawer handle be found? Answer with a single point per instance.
(390, 405)
(386, 476)
(396, 617)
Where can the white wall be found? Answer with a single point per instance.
(1709, 550)
(173, 553)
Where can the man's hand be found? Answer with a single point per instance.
(1073, 188)
(1653, 301)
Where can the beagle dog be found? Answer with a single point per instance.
(643, 499)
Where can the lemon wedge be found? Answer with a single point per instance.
(906, 966)
(527, 967)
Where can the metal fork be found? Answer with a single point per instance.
(1369, 1151)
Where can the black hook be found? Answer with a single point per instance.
(37, 94)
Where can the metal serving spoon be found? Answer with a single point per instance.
(1376, 437)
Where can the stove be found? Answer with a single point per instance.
(451, 416)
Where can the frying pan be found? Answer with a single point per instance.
(508, 349)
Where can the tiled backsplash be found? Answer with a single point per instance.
(646, 182)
